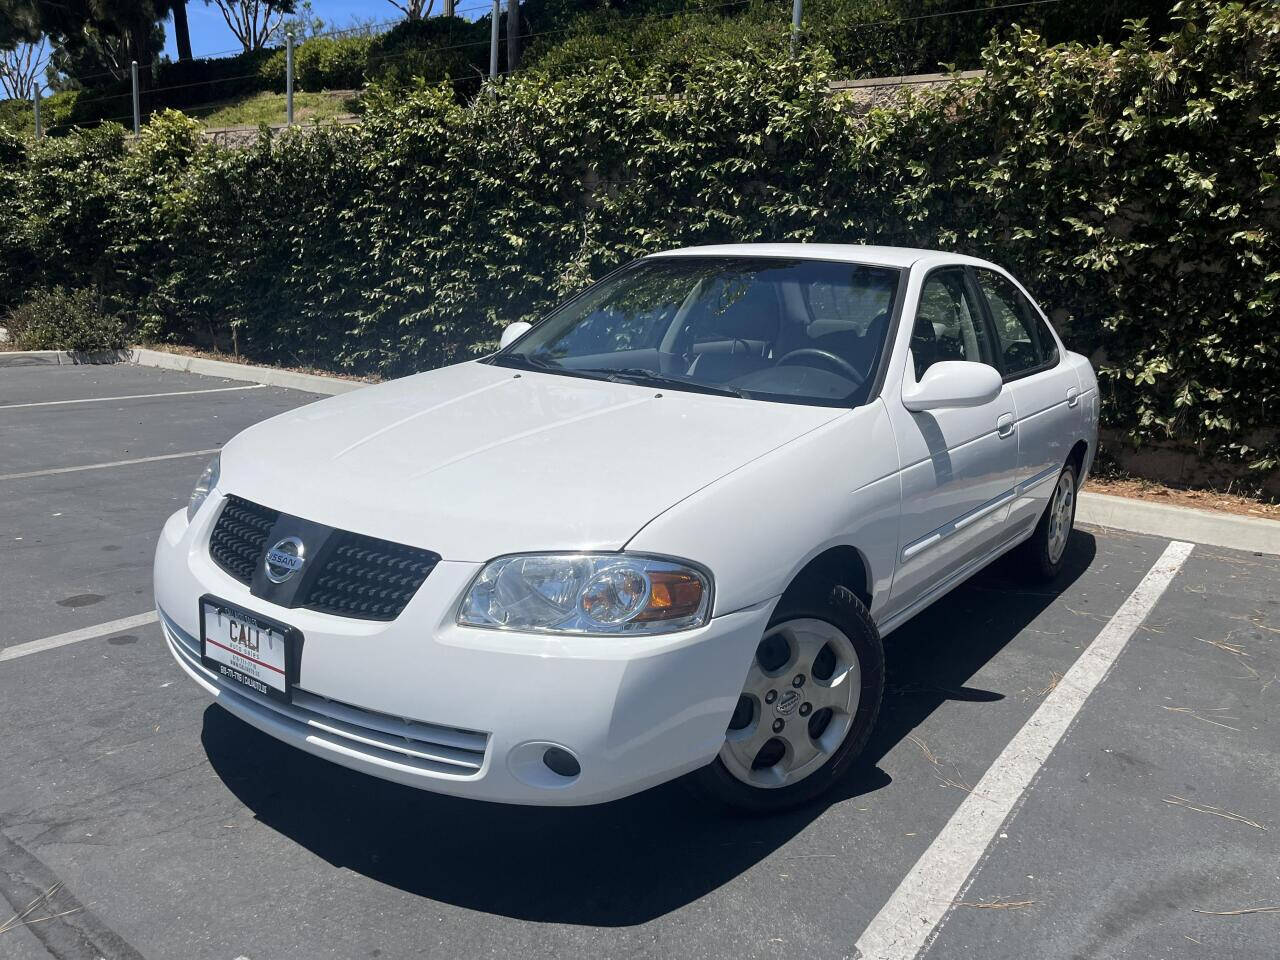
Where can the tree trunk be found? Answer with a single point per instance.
(181, 32)
(513, 36)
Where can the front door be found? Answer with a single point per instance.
(958, 463)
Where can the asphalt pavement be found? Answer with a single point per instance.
(155, 825)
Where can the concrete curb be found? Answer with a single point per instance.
(1229, 530)
(1117, 513)
(56, 358)
(309, 382)
(271, 376)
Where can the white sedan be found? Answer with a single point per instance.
(662, 531)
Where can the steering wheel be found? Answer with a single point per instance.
(842, 365)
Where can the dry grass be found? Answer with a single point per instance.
(1085, 613)
(1054, 679)
(924, 748)
(1208, 808)
(947, 781)
(40, 904)
(1152, 491)
(1191, 712)
(1227, 647)
(995, 903)
(1242, 911)
(1241, 655)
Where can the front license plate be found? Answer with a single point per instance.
(248, 649)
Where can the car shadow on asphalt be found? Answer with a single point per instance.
(621, 863)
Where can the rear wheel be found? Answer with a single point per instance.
(1045, 552)
(807, 707)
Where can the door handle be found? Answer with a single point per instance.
(1073, 396)
(1004, 425)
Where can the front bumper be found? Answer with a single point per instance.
(424, 702)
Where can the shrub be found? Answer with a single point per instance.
(54, 229)
(17, 116)
(16, 255)
(56, 319)
(321, 63)
(432, 50)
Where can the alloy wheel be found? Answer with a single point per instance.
(799, 700)
(1061, 514)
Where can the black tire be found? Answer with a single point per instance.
(841, 608)
(1036, 556)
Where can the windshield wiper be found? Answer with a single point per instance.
(650, 378)
(528, 361)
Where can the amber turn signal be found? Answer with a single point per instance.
(672, 595)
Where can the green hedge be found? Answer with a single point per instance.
(1132, 186)
(58, 319)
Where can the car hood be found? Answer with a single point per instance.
(474, 460)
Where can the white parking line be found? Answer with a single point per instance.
(103, 466)
(130, 396)
(906, 924)
(75, 636)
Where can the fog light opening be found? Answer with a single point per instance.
(561, 762)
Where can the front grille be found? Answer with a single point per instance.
(240, 537)
(356, 576)
(367, 578)
(414, 746)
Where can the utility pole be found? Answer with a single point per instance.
(493, 41)
(513, 36)
(288, 79)
(137, 105)
(450, 8)
(796, 9)
(181, 31)
(35, 106)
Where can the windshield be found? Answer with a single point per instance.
(803, 331)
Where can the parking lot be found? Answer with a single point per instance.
(155, 825)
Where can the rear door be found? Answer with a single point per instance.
(1044, 388)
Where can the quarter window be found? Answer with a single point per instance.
(1025, 341)
(948, 324)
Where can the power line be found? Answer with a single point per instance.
(954, 13)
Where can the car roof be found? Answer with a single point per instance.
(847, 252)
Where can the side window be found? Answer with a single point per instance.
(948, 325)
(1025, 340)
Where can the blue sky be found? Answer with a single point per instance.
(210, 36)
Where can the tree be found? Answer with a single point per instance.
(302, 23)
(417, 9)
(253, 21)
(21, 67)
(181, 31)
(91, 37)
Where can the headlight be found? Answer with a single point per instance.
(611, 593)
(208, 480)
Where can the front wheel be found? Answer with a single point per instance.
(807, 708)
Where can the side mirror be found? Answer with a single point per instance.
(513, 333)
(953, 383)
